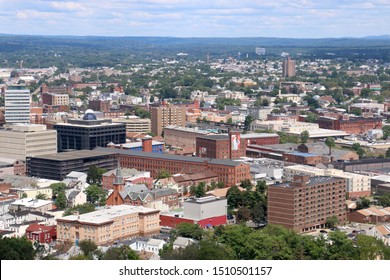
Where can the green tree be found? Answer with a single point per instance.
(247, 123)
(358, 149)
(163, 173)
(57, 188)
(246, 184)
(362, 203)
(387, 153)
(243, 215)
(41, 196)
(331, 222)
(199, 190)
(356, 111)
(95, 194)
(16, 248)
(122, 252)
(341, 248)
(330, 143)
(88, 247)
(80, 209)
(304, 136)
(384, 200)
(234, 196)
(61, 202)
(386, 131)
(258, 213)
(188, 230)
(311, 118)
(261, 186)
(94, 175)
(370, 248)
(229, 121)
(79, 257)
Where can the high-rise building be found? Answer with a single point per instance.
(167, 115)
(17, 105)
(288, 67)
(19, 141)
(306, 202)
(260, 51)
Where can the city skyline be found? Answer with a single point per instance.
(179, 18)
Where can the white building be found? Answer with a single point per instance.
(357, 184)
(26, 140)
(17, 105)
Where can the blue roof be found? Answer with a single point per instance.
(296, 153)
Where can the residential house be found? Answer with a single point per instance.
(41, 233)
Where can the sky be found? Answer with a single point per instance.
(197, 18)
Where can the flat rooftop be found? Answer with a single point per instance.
(107, 215)
(313, 181)
(74, 155)
(215, 137)
(227, 162)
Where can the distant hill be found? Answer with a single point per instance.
(108, 51)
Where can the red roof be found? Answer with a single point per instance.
(39, 228)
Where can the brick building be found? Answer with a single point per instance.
(305, 203)
(55, 99)
(167, 115)
(350, 125)
(232, 145)
(372, 215)
(99, 105)
(41, 233)
(229, 172)
(182, 137)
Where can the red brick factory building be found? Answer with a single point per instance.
(229, 172)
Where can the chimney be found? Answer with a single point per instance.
(147, 144)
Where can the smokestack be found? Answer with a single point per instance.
(147, 144)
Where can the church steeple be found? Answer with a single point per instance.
(118, 182)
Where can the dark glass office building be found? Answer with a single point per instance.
(57, 166)
(89, 133)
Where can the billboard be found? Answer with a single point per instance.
(236, 142)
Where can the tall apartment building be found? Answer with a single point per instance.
(288, 67)
(134, 124)
(19, 141)
(109, 224)
(306, 202)
(17, 105)
(167, 115)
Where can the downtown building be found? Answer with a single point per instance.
(19, 141)
(57, 166)
(89, 133)
(17, 105)
(306, 202)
